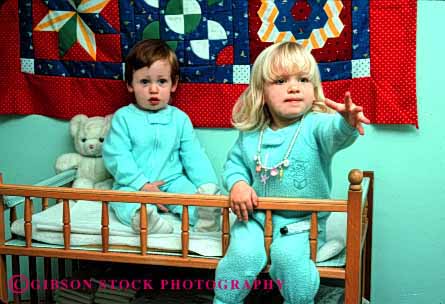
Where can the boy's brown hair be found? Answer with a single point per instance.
(145, 53)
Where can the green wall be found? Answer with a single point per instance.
(408, 264)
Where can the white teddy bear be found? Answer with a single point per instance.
(88, 135)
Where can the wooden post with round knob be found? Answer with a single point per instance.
(353, 238)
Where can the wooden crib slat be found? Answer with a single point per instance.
(185, 231)
(143, 228)
(28, 223)
(105, 227)
(32, 267)
(45, 203)
(3, 289)
(268, 233)
(48, 277)
(66, 224)
(313, 235)
(15, 261)
(225, 230)
(75, 265)
(61, 268)
(3, 278)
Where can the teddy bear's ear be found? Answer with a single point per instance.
(75, 123)
(108, 118)
(108, 122)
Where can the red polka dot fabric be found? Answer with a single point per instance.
(388, 94)
(215, 108)
(393, 61)
(225, 56)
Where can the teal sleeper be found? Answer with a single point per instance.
(147, 146)
(308, 175)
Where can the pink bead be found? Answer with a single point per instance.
(274, 172)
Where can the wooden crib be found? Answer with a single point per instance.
(358, 206)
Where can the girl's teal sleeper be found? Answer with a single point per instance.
(307, 176)
(147, 146)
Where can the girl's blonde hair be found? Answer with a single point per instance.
(250, 111)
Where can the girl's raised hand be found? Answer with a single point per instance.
(351, 112)
(242, 200)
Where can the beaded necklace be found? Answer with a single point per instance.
(277, 169)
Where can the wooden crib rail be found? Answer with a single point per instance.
(105, 196)
(356, 205)
(274, 203)
(267, 204)
(61, 179)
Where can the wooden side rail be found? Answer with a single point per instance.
(267, 204)
(62, 179)
(105, 196)
(356, 205)
(273, 203)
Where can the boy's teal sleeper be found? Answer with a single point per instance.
(308, 176)
(147, 146)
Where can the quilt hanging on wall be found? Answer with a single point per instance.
(62, 58)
